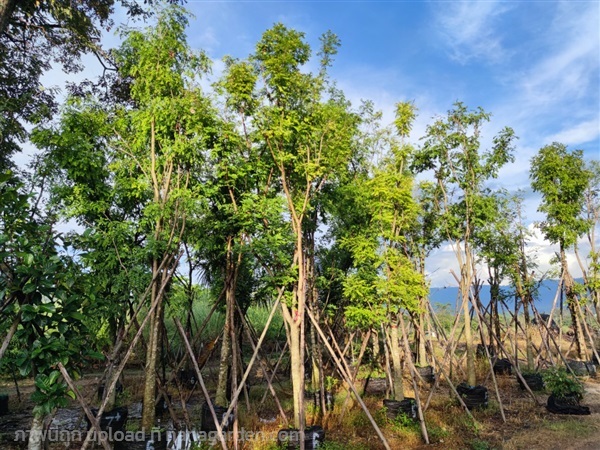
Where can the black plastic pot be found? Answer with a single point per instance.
(503, 367)
(473, 396)
(426, 373)
(315, 397)
(3, 404)
(582, 368)
(208, 423)
(533, 380)
(480, 351)
(161, 406)
(408, 406)
(566, 405)
(376, 386)
(118, 390)
(187, 377)
(157, 440)
(289, 438)
(111, 421)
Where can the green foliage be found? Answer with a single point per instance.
(332, 445)
(561, 177)
(479, 444)
(561, 383)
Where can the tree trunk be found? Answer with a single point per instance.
(420, 335)
(36, 433)
(471, 377)
(494, 315)
(296, 371)
(148, 410)
(312, 299)
(227, 355)
(376, 350)
(528, 337)
(571, 299)
(7, 8)
(397, 388)
(225, 360)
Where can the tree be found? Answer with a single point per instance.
(385, 283)
(560, 176)
(146, 157)
(36, 35)
(452, 151)
(42, 295)
(307, 128)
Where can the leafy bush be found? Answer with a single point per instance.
(561, 383)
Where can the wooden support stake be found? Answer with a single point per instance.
(202, 385)
(346, 376)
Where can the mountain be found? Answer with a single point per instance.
(543, 301)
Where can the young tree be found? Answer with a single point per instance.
(307, 129)
(452, 151)
(560, 176)
(42, 295)
(152, 143)
(386, 283)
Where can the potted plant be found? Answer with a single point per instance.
(533, 379)
(566, 391)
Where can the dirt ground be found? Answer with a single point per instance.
(564, 432)
(528, 426)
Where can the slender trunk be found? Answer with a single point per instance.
(571, 302)
(471, 378)
(420, 335)
(7, 8)
(148, 411)
(376, 350)
(297, 371)
(221, 395)
(227, 344)
(36, 433)
(397, 388)
(11, 333)
(528, 336)
(494, 316)
(313, 301)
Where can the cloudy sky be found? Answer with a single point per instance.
(533, 64)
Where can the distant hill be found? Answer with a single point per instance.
(543, 302)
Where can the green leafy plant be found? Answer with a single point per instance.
(561, 383)
(330, 383)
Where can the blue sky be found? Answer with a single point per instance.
(535, 65)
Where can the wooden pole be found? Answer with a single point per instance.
(346, 375)
(413, 372)
(202, 385)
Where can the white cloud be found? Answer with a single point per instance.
(469, 29)
(581, 133)
(568, 69)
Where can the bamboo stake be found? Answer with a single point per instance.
(202, 385)
(363, 347)
(95, 421)
(246, 326)
(237, 392)
(415, 387)
(346, 376)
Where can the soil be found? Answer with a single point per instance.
(564, 432)
(527, 426)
